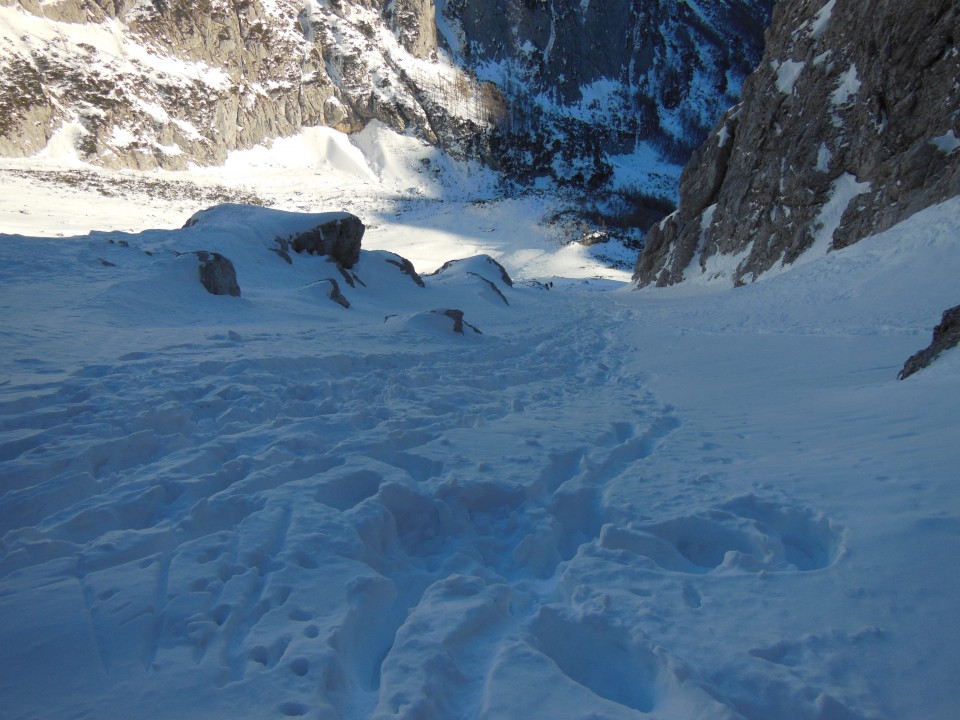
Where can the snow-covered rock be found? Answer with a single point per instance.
(217, 274)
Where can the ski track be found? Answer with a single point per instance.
(333, 527)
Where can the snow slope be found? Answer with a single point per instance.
(687, 503)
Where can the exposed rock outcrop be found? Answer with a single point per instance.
(946, 335)
(171, 82)
(217, 274)
(339, 238)
(850, 124)
(458, 322)
(334, 293)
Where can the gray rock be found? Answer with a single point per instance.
(335, 294)
(217, 274)
(945, 336)
(861, 125)
(458, 322)
(340, 239)
(415, 24)
(257, 74)
(407, 268)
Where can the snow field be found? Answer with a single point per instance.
(683, 503)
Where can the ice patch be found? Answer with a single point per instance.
(848, 85)
(823, 159)
(844, 189)
(822, 19)
(723, 137)
(946, 143)
(787, 74)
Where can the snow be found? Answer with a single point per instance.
(723, 135)
(823, 158)
(645, 169)
(844, 189)
(822, 19)
(787, 73)
(946, 143)
(683, 503)
(115, 52)
(848, 85)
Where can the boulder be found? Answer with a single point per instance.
(483, 265)
(339, 239)
(945, 336)
(338, 297)
(407, 268)
(458, 322)
(217, 274)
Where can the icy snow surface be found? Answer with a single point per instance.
(787, 74)
(683, 503)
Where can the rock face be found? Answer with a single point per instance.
(534, 87)
(583, 80)
(340, 239)
(334, 293)
(850, 124)
(169, 82)
(945, 336)
(458, 322)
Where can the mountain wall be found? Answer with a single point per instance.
(164, 83)
(586, 79)
(850, 124)
(534, 87)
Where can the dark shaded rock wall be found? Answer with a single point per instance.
(599, 76)
(849, 125)
(946, 335)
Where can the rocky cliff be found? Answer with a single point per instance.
(850, 124)
(149, 83)
(585, 79)
(532, 86)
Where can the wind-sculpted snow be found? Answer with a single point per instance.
(619, 505)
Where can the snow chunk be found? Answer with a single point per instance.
(946, 143)
(822, 19)
(848, 86)
(822, 57)
(823, 158)
(122, 137)
(787, 74)
(171, 150)
(723, 137)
